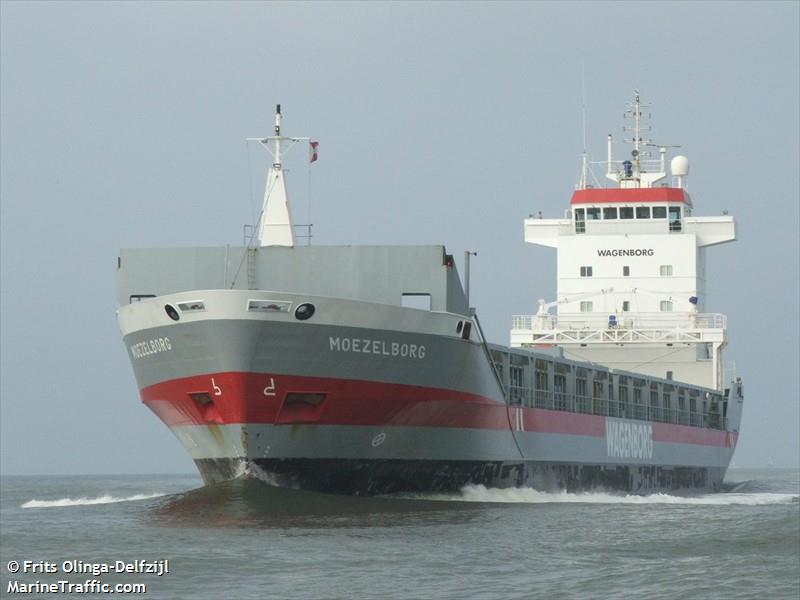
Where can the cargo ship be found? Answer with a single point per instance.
(363, 369)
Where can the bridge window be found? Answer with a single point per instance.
(586, 271)
(580, 220)
(586, 307)
(610, 212)
(642, 212)
(674, 218)
(659, 212)
(665, 270)
(593, 214)
(666, 306)
(626, 212)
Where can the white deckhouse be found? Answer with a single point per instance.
(632, 271)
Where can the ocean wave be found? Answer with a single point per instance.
(479, 493)
(83, 501)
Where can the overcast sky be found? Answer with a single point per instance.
(123, 125)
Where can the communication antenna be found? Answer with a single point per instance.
(583, 102)
(584, 155)
(634, 112)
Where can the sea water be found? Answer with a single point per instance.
(250, 540)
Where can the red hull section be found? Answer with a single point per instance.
(257, 398)
(238, 398)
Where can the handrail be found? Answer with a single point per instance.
(601, 321)
(577, 403)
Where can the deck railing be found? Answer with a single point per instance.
(566, 402)
(581, 321)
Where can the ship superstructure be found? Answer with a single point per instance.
(362, 369)
(632, 272)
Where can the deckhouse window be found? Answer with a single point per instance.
(642, 212)
(626, 306)
(626, 271)
(659, 212)
(586, 307)
(666, 306)
(665, 270)
(626, 212)
(586, 271)
(610, 212)
(593, 214)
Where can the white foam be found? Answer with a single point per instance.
(105, 499)
(271, 479)
(479, 493)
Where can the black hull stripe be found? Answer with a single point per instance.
(373, 477)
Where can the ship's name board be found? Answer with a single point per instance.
(381, 347)
(629, 440)
(148, 347)
(625, 252)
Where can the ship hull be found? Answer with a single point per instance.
(381, 477)
(372, 399)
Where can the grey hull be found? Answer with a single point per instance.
(362, 345)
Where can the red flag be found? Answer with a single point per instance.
(313, 155)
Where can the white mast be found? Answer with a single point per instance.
(640, 170)
(275, 227)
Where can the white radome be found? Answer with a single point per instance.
(679, 166)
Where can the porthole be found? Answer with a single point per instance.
(304, 311)
(460, 326)
(171, 312)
